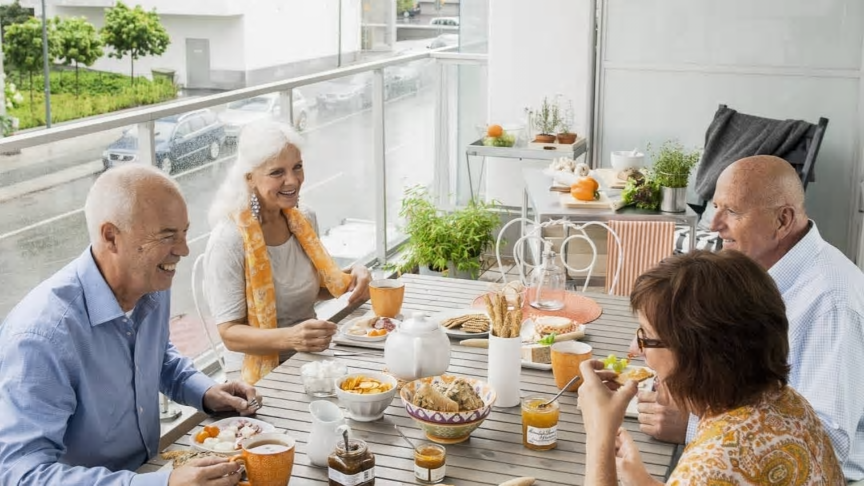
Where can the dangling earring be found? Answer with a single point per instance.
(256, 207)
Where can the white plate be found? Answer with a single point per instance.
(536, 366)
(265, 428)
(646, 385)
(366, 339)
(527, 331)
(456, 333)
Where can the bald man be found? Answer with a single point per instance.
(760, 212)
(84, 356)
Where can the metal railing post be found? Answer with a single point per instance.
(378, 162)
(147, 142)
(286, 105)
(441, 177)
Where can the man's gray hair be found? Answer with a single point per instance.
(112, 198)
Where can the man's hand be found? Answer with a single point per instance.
(602, 407)
(628, 461)
(360, 278)
(210, 471)
(234, 395)
(311, 336)
(663, 422)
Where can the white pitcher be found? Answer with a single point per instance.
(328, 425)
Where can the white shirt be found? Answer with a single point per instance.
(824, 296)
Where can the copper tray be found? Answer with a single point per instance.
(577, 307)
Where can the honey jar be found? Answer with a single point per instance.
(539, 424)
(352, 467)
(430, 463)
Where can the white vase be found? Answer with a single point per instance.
(504, 374)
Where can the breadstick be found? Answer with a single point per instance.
(518, 318)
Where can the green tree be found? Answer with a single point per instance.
(403, 5)
(13, 14)
(23, 47)
(134, 32)
(80, 43)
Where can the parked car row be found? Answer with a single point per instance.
(354, 93)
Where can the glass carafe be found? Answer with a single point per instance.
(548, 282)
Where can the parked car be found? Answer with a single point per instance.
(240, 113)
(181, 140)
(444, 40)
(354, 93)
(445, 21)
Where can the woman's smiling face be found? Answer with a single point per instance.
(277, 181)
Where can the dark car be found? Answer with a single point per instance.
(181, 140)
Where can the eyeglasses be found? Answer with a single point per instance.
(644, 342)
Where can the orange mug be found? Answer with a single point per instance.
(269, 459)
(566, 358)
(387, 295)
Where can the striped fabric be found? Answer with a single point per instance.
(644, 243)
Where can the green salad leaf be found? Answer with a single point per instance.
(612, 362)
(548, 340)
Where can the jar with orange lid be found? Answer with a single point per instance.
(430, 463)
(539, 424)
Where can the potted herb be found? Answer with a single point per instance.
(545, 121)
(671, 171)
(449, 243)
(565, 122)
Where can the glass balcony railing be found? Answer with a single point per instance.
(370, 131)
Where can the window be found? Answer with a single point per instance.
(197, 122)
(183, 129)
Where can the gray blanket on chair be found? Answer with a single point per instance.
(732, 136)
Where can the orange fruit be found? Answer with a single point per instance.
(495, 131)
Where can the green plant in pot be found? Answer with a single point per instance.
(565, 122)
(545, 121)
(447, 242)
(671, 171)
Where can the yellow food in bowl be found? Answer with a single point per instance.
(364, 385)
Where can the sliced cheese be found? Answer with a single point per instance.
(537, 353)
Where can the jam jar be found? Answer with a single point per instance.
(352, 467)
(429, 463)
(539, 424)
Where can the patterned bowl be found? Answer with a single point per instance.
(448, 427)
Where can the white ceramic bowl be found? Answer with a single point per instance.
(622, 160)
(366, 408)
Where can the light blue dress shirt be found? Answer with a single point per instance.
(824, 296)
(80, 383)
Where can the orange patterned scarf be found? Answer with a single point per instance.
(260, 293)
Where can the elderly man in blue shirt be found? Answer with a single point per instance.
(84, 356)
(760, 212)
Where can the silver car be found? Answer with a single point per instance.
(240, 113)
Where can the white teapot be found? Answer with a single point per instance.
(417, 348)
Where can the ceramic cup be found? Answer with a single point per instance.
(387, 295)
(566, 358)
(269, 459)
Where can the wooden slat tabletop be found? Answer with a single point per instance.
(494, 453)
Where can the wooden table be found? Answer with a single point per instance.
(494, 453)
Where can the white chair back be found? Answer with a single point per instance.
(532, 232)
(214, 346)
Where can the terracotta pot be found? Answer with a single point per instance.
(544, 138)
(566, 138)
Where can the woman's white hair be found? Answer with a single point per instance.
(259, 142)
(113, 197)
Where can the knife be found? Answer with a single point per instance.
(484, 343)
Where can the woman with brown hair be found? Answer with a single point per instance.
(713, 328)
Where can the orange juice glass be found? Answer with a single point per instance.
(566, 358)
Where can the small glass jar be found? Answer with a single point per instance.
(430, 463)
(539, 424)
(352, 467)
(319, 377)
(548, 283)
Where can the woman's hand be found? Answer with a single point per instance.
(628, 461)
(360, 278)
(602, 408)
(311, 336)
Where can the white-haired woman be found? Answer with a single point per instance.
(264, 266)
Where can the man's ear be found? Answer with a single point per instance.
(785, 221)
(110, 234)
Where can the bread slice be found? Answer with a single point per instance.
(537, 353)
(180, 458)
(635, 373)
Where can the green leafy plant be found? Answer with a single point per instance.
(403, 6)
(566, 114)
(134, 32)
(13, 13)
(672, 165)
(22, 46)
(80, 43)
(644, 192)
(546, 119)
(445, 241)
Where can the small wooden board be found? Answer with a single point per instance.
(568, 201)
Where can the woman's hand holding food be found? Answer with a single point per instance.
(359, 288)
(602, 408)
(311, 336)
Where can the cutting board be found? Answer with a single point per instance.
(569, 201)
(610, 178)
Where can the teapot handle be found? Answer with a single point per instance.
(417, 353)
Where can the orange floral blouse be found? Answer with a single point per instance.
(777, 441)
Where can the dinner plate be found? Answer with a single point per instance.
(366, 339)
(527, 331)
(227, 422)
(442, 316)
(646, 385)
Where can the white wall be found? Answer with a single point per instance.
(668, 64)
(225, 35)
(167, 7)
(535, 52)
